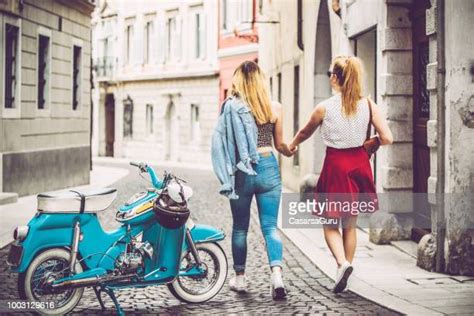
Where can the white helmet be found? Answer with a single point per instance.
(178, 191)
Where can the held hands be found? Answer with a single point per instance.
(293, 148)
(288, 150)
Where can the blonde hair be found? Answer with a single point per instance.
(248, 83)
(348, 71)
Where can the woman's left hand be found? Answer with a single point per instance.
(285, 150)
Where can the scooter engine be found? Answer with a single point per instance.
(132, 260)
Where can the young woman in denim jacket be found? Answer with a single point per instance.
(248, 85)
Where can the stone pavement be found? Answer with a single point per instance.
(308, 288)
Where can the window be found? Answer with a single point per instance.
(279, 86)
(11, 67)
(224, 15)
(43, 71)
(236, 14)
(128, 118)
(148, 41)
(200, 33)
(271, 87)
(195, 124)
(296, 109)
(173, 37)
(299, 25)
(76, 77)
(149, 119)
(171, 28)
(246, 12)
(128, 43)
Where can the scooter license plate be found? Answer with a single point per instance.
(15, 254)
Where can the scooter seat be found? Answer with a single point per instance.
(76, 201)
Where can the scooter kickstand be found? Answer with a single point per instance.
(97, 291)
(110, 292)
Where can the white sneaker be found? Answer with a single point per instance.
(238, 284)
(342, 274)
(277, 288)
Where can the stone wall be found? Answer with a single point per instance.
(394, 167)
(459, 105)
(56, 132)
(31, 172)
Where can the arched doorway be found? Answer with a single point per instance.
(171, 131)
(322, 61)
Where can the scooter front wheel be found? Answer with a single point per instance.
(203, 288)
(52, 263)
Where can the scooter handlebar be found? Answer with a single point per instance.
(145, 168)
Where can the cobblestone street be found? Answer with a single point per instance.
(309, 290)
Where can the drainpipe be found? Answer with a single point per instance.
(441, 137)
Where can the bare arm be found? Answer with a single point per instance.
(278, 131)
(312, 124)
(381, 125)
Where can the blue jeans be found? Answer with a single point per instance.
(266, 186)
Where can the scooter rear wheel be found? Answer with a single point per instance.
(201, 289)
(55, 263)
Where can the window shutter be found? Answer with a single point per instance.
(202, 34)
(153, 42)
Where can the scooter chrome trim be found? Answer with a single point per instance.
(75, 246)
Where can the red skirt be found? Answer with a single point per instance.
(346, 184)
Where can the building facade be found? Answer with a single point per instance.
(156, 75)
(44, 95)
(419, 70)
(238, 39)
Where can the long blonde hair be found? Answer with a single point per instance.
(248, 83)
(348, 71)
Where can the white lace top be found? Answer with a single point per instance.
(339, 131)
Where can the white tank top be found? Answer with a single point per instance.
(339, 131)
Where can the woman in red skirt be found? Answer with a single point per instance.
(346, 175)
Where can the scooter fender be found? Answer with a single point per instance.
(48, 231)
(44, 234)
(204, 233)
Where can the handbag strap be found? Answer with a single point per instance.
(370, 119)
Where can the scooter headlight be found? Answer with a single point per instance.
(20, 233)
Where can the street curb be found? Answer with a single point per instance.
(161, 163)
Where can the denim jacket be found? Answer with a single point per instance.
(234, 144)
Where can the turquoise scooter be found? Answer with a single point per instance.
(64, 249)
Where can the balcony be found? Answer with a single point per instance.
(105, 67)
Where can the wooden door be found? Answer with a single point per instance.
(109, 125)
(421, 113)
